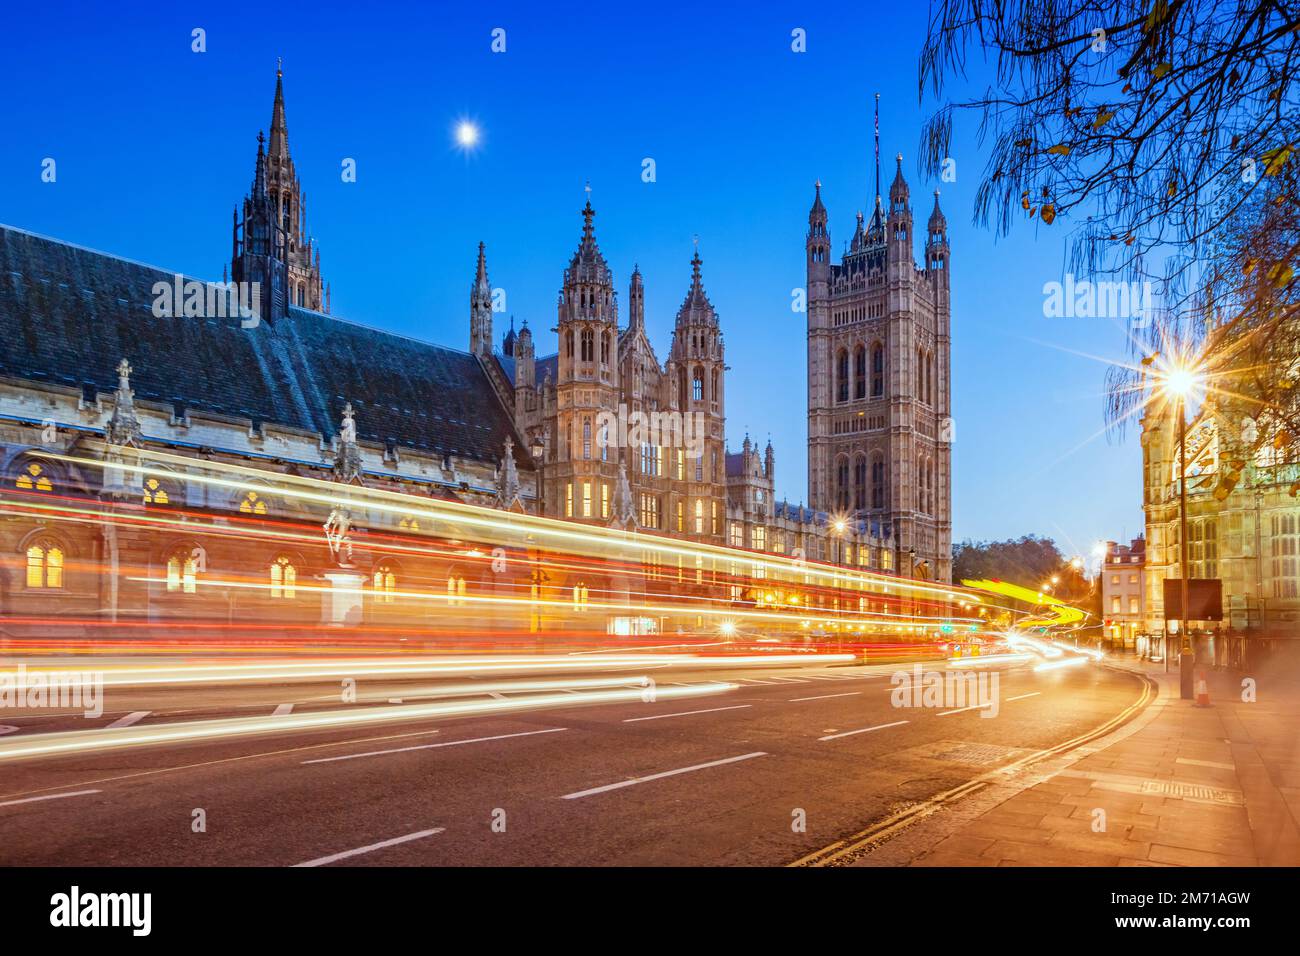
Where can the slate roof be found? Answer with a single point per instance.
(69, 314)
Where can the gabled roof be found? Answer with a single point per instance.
(69, 314)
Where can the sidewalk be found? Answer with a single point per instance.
(1179, 786)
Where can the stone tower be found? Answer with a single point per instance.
(694, 374)
(480, 309)
(271, 244)
(879, 401)
(586, 383)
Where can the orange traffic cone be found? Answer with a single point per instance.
(1202, 691)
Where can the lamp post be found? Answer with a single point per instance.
(539, 456)
(1180, 381)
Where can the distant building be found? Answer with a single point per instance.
(1123, 592)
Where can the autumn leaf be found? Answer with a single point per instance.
(1104, 117)
(1024, 200)
(1049, 213)
(1275, 159)
(1060, 149)
(1280, 274)
(1161, 69)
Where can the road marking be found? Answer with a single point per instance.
(1023, 696)
(322, 861)
(282, 710)
(852, 693)
(659, 776)
(51, 796)
(496, 696)
(752, 680)
(864, 730)
(686, 713)
(960, 710)
(790, 680)
(394, 700)
(445, 743)
(127, 720)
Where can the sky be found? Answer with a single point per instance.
(154, 146)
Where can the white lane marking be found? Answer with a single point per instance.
(790, 680)
(496, 696)
(961, 710)
(686, 713)
(419, 835)
(282, 710)
(51, 796)
(1023, 696)
(445, 743)
(852, 693)
(864, 730)
(751, 680)
(394, 700)
(128, 719)
(659, 776)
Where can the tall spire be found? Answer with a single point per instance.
(279, 146)
(877, 149)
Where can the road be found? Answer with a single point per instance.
(723, 778)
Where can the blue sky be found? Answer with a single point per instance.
(155, 146)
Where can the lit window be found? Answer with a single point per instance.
(155, 493)
(44, 565)
(384, 583)
(182, 571)
(760, 537)
(604, 500)
(580, 596)
(283, 578)
(681, 464)
(252, 504)
(586, 499)
(681, 515)
(409, 524)
(568, 500)
(34, 478)
(699, 516)
(455, 589)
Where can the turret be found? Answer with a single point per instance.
(936, 243)
(636, 301)
(480, 309)
(525, 360)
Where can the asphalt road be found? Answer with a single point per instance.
(716, 779)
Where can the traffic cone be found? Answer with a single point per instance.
(1202, 691)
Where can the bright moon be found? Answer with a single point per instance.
(467, 134)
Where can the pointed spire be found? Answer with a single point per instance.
(259, 169)
(123, 427)
(858, 235)
(818, 211)
(279, 130)
(899, 188)
(480, 274)
(938, 222)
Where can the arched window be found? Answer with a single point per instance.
(699, 516)
(384, 582)
(842, 483)
(860, 373)
(183, 571)
(604, 349)
(842, 376)
(455, 589)
(252, 504)
(33, 477)
(930, 378)
(877, 482)
(284, 577)
(713, 388)
(877, 371)
(697, 385)
(568, 344)
(860, 482)
(586, 438)
(44, 564)
(155, 493)
(580, 596)
(588, 345)
(681, 389)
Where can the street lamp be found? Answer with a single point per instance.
(539, 456)
(1179, 382)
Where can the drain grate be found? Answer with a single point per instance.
(977, 753)
(1192, 791)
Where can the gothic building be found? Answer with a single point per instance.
(602, 374)
(879, 373)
